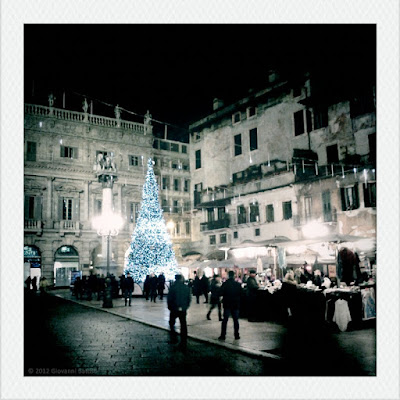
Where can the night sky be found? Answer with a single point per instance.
(176, 71)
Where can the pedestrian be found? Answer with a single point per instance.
(34, 284)
(196, 287)
(179, 298)
(78, 288)
(215, 298)
(128, 288)
(251, 296)
(153, 287)
(161, 285)
(230, 291)
(28, 282)
(43, 285)
(205, 287)
(146, 287)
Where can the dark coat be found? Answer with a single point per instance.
(179, 297)
(215, 291)
(230, 291)
(153, 283)
(161, 281)
(128, 283)
(252, 287)
(205, 284)
(196, 286)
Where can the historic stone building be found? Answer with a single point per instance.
(62, 194)
(281, 158)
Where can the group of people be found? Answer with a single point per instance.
(154, 286)
(179, 299)
(31, 284)
(200, 287)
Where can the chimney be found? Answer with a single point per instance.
(217, 103)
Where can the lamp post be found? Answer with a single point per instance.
(108, 225)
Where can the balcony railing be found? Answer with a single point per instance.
(218, 224)
(67, 115)
(32, 225)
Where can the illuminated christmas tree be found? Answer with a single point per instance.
(151, 247)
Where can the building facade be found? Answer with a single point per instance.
(62, 194)
(283, 158)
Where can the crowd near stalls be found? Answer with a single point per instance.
(339, 292)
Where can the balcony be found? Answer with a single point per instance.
(33, 226)
(68, 226)
(218, 224)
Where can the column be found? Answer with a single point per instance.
(86, 200)
(49, 199)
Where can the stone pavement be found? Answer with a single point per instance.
(303, 346)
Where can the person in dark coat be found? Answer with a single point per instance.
(161, 285)
(34, 284)
(251, 296)
(205, 287)
(146, 287)
(230, 292)
(215, 296)
(153, 287)
(128, 288)
(197, 287)
(78, 288)
(179, 299)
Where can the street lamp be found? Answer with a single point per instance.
(108, 225)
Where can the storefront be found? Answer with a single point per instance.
(66, 260)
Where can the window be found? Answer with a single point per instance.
(165, 182)
(133, 161)
(67, 209)
(236, 118)
(175, 165)
(133, 212)
(175, 147)
(238, 144)
(241, 214)
(186, 185)
(97, 207)
(253, 139)
(221, 213)
(185, 167)
(349, 197)
(270, 213)
(198, 188)
(254, 212)
(320, 117)
(31, 151)
(372, 147)
(187, 227)
(184, 149)
(156, 143)
(326, 206)
(210, 215)
(178, 228)
(307, 208)
(235, 235)
(287, 210)
(175, 206)
(370, 194)
(309, 121)
(165, 205)
(198, 159)
(332, 154)
(257, 232)
(212, 239)
(33, 207)
(68, 152)
(251, 111)
(298, 123)
(164, 145)
(156, 161)
(222, 238)
(176, 184)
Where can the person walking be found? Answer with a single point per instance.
(197, 287)
(34, 284)
(78, 288)
(179, 299)
(251, 295)
(161, 285)
(146, 287)
(205, 287)
(43, 285)
(215, 296)
(128, 288)
(153, 287)
(230, 291)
